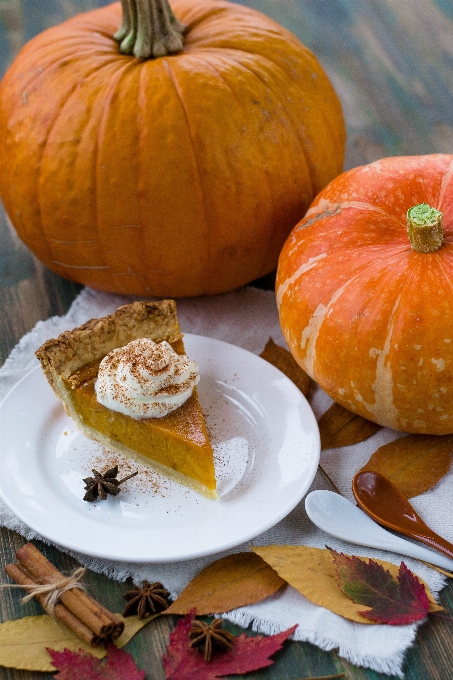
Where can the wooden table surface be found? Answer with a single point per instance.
(391, 62)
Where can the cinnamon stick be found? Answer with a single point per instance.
(19, 575)
(90, 612)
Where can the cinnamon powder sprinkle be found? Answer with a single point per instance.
(147, 481)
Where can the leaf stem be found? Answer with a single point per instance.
(330, 480)
(441, 616)
(436, 568)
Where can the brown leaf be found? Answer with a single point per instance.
(312, 572)
(340, 427)
(285, 362)
(414, 463)
(231, 582)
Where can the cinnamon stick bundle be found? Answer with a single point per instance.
(75, 608)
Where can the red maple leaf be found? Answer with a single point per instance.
(84, 666)
(393, 601)
(247, 654)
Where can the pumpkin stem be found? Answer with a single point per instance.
(424, 226)
(149, 29)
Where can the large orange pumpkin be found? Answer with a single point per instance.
(368, 315)
(175, 176)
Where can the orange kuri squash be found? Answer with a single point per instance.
(365, 292)
(172, 176)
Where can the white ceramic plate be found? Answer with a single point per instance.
(266, 444)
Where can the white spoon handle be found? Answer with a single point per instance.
(338, 517)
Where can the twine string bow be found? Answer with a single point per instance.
(52, 591)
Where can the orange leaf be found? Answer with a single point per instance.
(340, 427)
(231, 582)
(285, 362)
(414, 463)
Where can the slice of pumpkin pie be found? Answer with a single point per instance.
(126, 382)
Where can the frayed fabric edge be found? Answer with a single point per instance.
(392, 666)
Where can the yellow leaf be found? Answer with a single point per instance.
(285, 362)
(23, 642)
(230, 582)
(312, 572)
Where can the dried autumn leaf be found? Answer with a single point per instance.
(285, 362)
(414, 463)
(23, 642)
(340, 427)
(392, 600)
(312, 572)
(231, 582)
(118, 666)
(247, 654)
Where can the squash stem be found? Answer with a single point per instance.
(149, 29)
(424, 226)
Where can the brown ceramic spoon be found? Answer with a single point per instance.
(384, 502)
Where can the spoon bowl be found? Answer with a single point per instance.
(384, 502)
(338, 517)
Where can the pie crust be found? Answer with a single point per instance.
(176, 445)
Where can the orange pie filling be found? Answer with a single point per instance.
(178, 441)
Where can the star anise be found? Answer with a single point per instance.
(149, 599)
(208, 638)
(102, 484)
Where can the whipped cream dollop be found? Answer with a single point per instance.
(145, 379)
